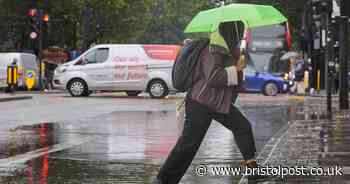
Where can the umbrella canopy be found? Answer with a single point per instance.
(252, 16)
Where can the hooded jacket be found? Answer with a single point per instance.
(217, 79)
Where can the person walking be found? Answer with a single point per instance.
(218, 76)
(48, 74)
(299, 71)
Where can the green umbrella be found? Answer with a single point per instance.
(252, 15)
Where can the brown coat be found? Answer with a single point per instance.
(214, 75)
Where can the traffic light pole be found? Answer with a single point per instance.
(327, 46)
(343, 22)
(40, 40)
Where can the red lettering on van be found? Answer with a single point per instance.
(137, 72)
(121, 71)
(162, 52)
(131, 72)
(120, 59)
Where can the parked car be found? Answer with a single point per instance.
(113, 67)
(26, 63)
(266, 83)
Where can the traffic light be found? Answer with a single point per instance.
(327, 6)
(345, 7)
(46, 18)
(321, 9)
(316, 24)
(323, 6)
(34, 22)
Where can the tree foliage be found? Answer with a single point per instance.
(292, 9)
(121, 21)
(115, 21)
(169, 19)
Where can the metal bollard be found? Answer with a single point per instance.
(318, 88)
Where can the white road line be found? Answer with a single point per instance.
(23, 158)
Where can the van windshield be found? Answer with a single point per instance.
(268, 37)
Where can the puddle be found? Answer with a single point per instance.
(129, 147)
(27, 138)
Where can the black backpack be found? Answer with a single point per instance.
(185, 63)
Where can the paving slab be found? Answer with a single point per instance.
(314, 142)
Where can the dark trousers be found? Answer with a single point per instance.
(198, 119)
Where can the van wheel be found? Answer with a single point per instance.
(133, 93)
(270, 89)
(158, 89)
(78, 88)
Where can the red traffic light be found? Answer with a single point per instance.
(32, 12)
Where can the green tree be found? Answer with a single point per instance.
(13, 24)
(292, 9)
(122, 21)
(170, 19)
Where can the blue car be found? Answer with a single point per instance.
(268, 84)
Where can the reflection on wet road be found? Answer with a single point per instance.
(27, 138)
(129, 147)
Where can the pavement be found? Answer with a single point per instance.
(25, 95)
(313, 141)
(5, 97)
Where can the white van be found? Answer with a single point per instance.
(114, 67)
(26, 64)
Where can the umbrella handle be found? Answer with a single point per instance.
(243, 45)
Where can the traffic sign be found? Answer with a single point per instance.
(30, 79)
(30, 75)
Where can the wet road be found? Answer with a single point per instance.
(122, 141)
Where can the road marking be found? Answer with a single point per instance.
(23, 158)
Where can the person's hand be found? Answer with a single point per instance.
(241, 64)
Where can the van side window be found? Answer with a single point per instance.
(97, 56)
